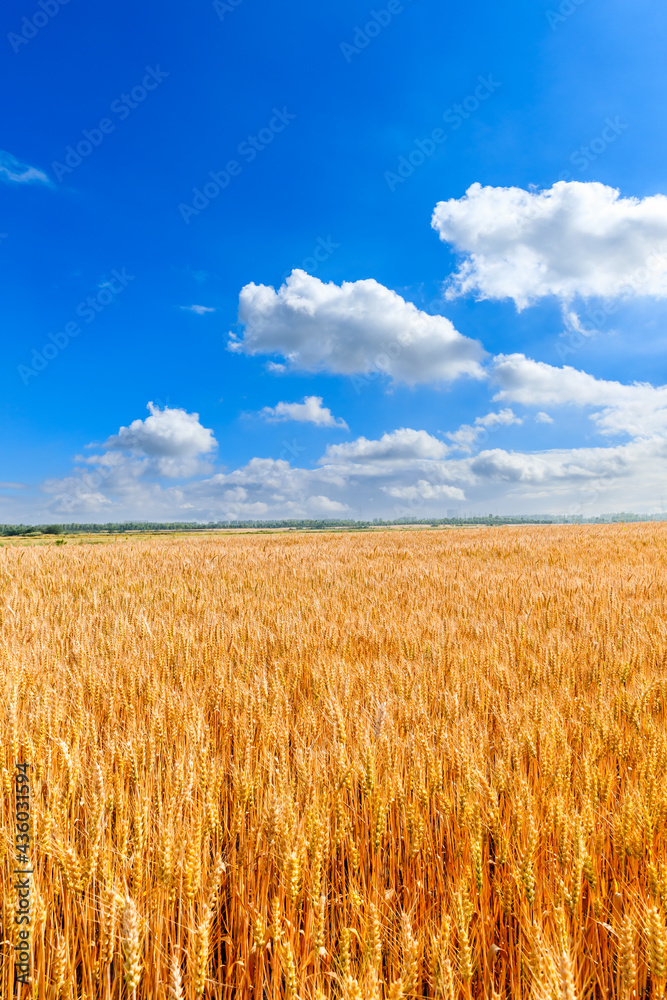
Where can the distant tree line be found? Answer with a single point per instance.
(32, 529)
(9, 530)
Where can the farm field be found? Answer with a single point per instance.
(375, 765)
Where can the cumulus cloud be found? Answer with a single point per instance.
(543, 418)
(574, 239)
(467, 436)
(199, 310)
(12, 171)
(310, 411)
(423, 490)
(356, 327)
(170, 442)
(267, 487)
(403, 445)
(569, 466)
(90, 491)
(170, 432)
(326, 507)
(523, 380)
(406, 471)
(357, 479)
(369, 478)
(638, 410)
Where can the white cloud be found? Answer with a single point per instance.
(271, 488)
(467, 436)
(199, 310)
(326, 507)
(638, 410)
(353, 328)
(565, 466)
(310, 411)
(423, 490)
(80, 493)
(543, 418)
(171, 433)
(404, 472)
(572, 323)
(573, 239)
(403, 445)
(12, 171)
(523, 380)
(365, 482)
(352, 481)
(170, 442)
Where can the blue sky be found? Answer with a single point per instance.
(395, 362)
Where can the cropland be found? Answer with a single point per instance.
(395, 764)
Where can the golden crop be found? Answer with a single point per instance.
(392, 764)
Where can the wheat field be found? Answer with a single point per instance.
(374, 765)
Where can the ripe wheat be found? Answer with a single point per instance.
(393, 764)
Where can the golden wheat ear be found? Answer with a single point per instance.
(131, 946)
(175, 977)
